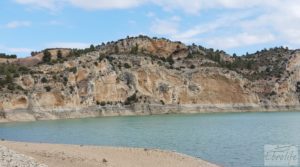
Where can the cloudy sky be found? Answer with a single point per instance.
(236, 26)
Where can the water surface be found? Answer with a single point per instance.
(229, 139)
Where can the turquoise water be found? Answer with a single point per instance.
(230, 139)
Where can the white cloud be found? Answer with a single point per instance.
(165, 27)
(239, 40)
(21, 52)
(54, 22)
(150, 14)
(189, 6)
(17, 24)
(48, 4)
(241, 25)
(249, 23)
(132, 22)
(78, 45)
(105, 4)
(84, 4)
(204, 28)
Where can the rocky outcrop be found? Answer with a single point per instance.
(137, 76)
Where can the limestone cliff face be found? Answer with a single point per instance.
(148, 72)
(288, 88)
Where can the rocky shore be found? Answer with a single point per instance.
(24, 115)
(10, 158)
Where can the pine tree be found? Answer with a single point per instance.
(59, 54)
(47, 56)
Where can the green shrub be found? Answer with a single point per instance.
(71, 89)
(44, 80)
(16, 75)
(116, 49)
(126, 65)
(131, 99)
(47, 88)
(2, 114)
(54, 77)
(170, 60)
(23, 70)
(59, 55)
(8, 78)
(73, 70)
(102, 103)
(65, 81)
(11, 87)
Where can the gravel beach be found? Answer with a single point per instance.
(17, 154)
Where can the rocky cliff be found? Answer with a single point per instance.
(142, 75)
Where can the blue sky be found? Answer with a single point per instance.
(236, 26)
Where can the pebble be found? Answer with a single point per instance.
(10, 158)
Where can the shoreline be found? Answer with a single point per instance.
(37, 114)
(61, 155)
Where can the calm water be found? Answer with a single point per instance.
(231, 139)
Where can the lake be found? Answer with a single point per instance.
(227, 139)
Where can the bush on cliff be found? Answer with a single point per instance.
(48, 88)
(126, 65)
(134, 49)
(131, 99)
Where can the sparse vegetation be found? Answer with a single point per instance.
(268, 66)
(8, 72)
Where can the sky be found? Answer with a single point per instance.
(235, 26)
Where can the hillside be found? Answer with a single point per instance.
(142, 75)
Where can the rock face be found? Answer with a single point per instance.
(143, 75)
